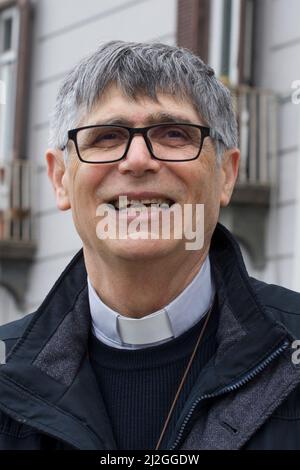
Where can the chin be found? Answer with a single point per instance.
(141, 249)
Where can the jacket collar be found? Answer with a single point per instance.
(48, 382)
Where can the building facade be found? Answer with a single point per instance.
(253, 47)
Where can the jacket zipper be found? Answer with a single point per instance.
(229, 388)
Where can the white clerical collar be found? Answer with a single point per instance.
(171, 321)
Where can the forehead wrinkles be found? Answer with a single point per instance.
(115, 104)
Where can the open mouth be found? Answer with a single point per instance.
(124, 203)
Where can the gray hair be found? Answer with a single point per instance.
(144, 69)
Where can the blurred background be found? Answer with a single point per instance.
(254, 47)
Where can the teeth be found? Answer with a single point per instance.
(123, 203)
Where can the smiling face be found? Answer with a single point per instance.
(83, 187)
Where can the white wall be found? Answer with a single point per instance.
(277, 64)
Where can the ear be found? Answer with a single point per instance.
(57, 174)
(229, 170)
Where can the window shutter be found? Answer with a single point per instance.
(193, 26)
(22, 78)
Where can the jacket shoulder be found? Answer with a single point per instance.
(15, 329)
(281, 303)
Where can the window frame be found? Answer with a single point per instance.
(9, 58)
(240, 70)
(24, 11)
(218, 42)
(198, 30)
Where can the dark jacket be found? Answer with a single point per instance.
(246, 397)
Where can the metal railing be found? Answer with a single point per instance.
(256, 111)
(16, 190)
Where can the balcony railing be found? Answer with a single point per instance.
(257, 115)
(16, 190)
(256, 189)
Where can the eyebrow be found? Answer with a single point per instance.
(156, 118)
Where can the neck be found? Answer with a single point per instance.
(133, 291)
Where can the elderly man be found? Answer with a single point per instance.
(147, 340)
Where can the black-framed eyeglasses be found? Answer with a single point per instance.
(170, 142)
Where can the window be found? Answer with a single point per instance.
(9, 39)
(230, 51)
(15, 18)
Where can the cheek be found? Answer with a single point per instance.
(87, 184)
(198, 181)
(86, 180)
(93, 180)
(205, 185)
(81, 192)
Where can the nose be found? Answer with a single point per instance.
(138, 159)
